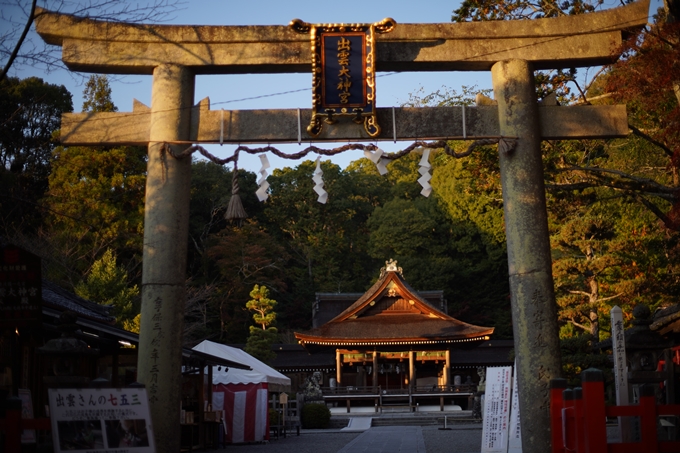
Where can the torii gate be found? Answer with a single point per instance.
(512, 50)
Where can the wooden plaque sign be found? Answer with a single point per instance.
(20, 288)
(343, 72)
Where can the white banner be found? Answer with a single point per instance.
(496, 410)
(101, 420)
(514, 435)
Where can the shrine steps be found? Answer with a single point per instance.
(408, 419)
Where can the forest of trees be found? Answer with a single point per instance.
(614, 208)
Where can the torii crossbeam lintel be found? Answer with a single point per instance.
(121, 48)
(282, 126)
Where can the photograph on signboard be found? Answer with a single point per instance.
(80, 435)
(126, 433)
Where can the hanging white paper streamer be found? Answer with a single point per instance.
(382, 167)
(318, 180)
(375, 157)
(424, 170)
(261, 191)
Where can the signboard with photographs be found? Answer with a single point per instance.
(101, 420)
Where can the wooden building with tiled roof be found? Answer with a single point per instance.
(392, 327)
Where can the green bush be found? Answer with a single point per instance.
(274, 417)
(315, 416)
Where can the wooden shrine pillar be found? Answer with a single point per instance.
(412, 370)
(447, 369)
(338, 367)
(166, 225)
(375, 370)
(534, 313)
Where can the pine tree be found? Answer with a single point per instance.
(97, 95)
(95, 200)
(107, 284)
(260, 341)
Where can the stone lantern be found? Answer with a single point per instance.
(67, 355)
(644, 349)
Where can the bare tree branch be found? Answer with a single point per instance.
(641, 134)
(653, 208)
(603, 299)
(15, 52)
(627, 182)
(28, 49)
(587, 329)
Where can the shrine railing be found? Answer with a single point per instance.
(419, 390)
(13, 425)
(578, 418)
(350, 390)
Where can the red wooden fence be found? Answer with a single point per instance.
(12, 425)
(579, 418)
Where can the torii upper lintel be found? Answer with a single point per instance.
(122, 48)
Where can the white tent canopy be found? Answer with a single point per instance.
(260, 372)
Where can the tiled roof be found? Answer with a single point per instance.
(667, 320)
(391, 312)
(57, 297)
(406, 327)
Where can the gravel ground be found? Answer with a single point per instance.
(460, 439)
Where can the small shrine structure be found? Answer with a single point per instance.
(393, 328)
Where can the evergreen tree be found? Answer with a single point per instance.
(30, 114)
(240, 257)
(107, 284)
(326, 244)
(260, 341)
(97, 95)
(95, 200)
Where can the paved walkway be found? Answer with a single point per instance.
(393, 439)
(379, 439)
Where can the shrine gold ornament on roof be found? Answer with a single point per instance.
(343, 72)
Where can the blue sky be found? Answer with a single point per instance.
(226, 91)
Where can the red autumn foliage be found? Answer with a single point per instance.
(645, 77)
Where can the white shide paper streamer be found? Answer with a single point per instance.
(424, 170)
(318, 180)
(375, 157)
(261, 191)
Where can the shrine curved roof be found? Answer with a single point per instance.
(391, 313)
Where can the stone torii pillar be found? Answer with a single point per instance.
(529, 261)
(512, 50)
(166, 225)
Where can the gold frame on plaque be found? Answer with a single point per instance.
(322, 112)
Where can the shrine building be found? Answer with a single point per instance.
(392, 338)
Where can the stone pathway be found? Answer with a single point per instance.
(378, 439)
(358, 424)
(392, 439)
